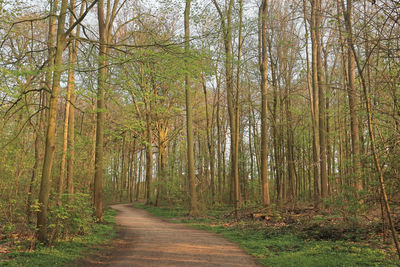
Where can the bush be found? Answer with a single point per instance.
(73, 217)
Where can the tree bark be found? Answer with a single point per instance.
(373, 146)
(352, 96)
(51, 127)
(37, 158)
(210, 143)
(226, 25)
(149, 154)
(105, 21)
(73, 51)
(321, 100)
(264, 106)
(315, 103)
(219, 141)
(189, 128)
(101, 82)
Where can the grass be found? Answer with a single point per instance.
(280, 246)
(65, 252)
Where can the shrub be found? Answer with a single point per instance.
(73, 217)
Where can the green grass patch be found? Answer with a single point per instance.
(273, 246)
(64, 252)
(163, 212)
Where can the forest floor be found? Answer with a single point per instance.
(16, 252)
(149, 241)
(294, 236)
(278, 236)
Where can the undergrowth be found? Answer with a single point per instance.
(64, 251)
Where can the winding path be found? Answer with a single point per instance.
(149, 241)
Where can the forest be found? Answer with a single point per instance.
(257, 119)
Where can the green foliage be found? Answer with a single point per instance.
(65, 251)
(74, 217)
(348, 205)
(175, 194)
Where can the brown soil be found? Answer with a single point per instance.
(149, 241)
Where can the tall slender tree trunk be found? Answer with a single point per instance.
(71, 147)
(51, 127)
(61, 179)
(101, 83)
(149, 154)
(264, 106)
(123, 168)
(251, 139)
(105, 21)
(352, 96)
(132, 170)
(90, 181)
(315, 97)
(189, 128)
(163, 168)
(226, 25)
(139, 177)
(37, 158)
(275, 128)
(162, 162)
(51, 46)
(210, 143)
(237, 109)
(321, 100)
(73, 53)
(66, 177)
(219, 152)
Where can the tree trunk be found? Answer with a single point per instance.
(219, 152)
(37, 159)
(264, 106)
(139, 177)
(123, 168)
(373, 146)
(68, 153)
(149, 154)
(101, 82)
(51, 127)
(189, 128)
(210, 143)
(321, 99)
(232, 111)
(315, 97)
(352, 96)
(105, 26)
(51, 45)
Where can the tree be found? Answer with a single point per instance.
(316, 78)
(106, 22)
(189, 128)
(264, 105)
(226, 27)
(312, 82)
(51, 125)
(371, 133)
(321, 97)
(52, 115)
(353, 100)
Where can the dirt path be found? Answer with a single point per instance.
(149, 241)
